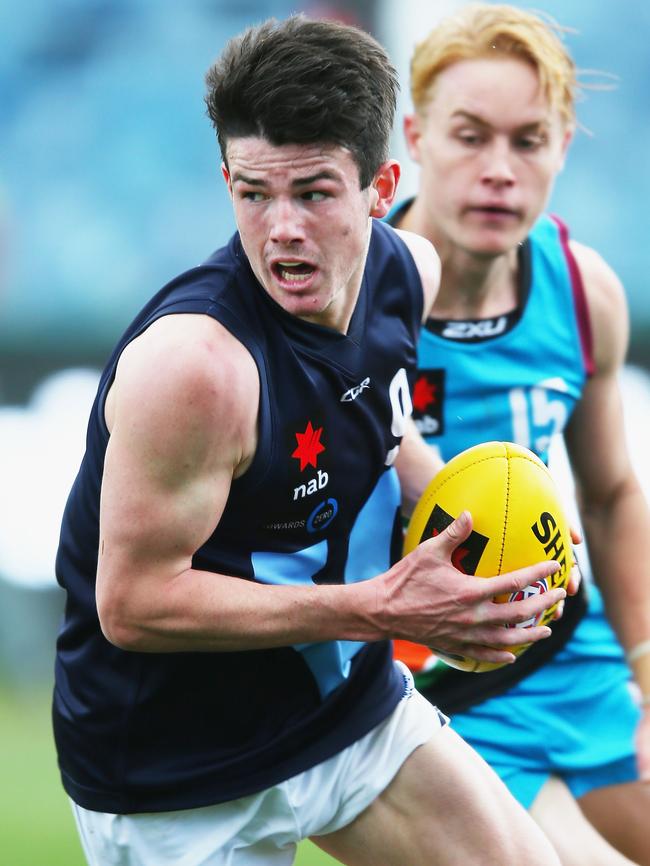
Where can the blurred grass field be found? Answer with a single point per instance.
(36, 824)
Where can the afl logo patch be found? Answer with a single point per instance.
(537, 588)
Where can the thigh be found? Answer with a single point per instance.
(576, 840)
(621, 813)
(444, 807)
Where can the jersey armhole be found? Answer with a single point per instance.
(579, 298)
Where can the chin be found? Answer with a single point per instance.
(494, 243)
(303, 307)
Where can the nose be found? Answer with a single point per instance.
(286, 223)
(497, 168)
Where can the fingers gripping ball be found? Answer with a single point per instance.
(518, 520)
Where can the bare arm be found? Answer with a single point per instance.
(428, 264)
(613, 509)
(417, 463)
(178, 438)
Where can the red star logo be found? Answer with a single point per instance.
(424, 394)
(309, 446)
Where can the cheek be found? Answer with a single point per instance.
(542, 182)
(252, 232)
(446, 171)
(445, 189)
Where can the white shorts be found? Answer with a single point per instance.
(263, 829)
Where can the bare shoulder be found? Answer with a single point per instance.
(607, 304)
(187, 374)
(427, 262)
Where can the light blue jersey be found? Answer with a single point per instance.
(521, 383)
(565, 708)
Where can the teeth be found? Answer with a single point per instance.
(294, 272)
(294, 278)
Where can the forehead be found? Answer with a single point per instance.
(498, 90)
(256, 157)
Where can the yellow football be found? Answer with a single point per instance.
(517, 516)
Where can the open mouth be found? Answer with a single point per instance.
(293, 272)
(494, 210)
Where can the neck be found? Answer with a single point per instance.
(476, 287)
(472, 285)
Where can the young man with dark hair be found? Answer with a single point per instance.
(224, 680)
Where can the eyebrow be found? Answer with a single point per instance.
(474, 118)
(300, 181)
(467, 115)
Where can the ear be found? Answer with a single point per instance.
(226, 176)
(384, 187)
(413, 135)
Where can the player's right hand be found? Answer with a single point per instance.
(429, 601)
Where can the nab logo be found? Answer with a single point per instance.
(312, 486)
(309, 447)
(353, 393)
(427, 426)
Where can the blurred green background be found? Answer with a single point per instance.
(37, 824)
(109, 186)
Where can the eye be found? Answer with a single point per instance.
(253, 196)
(531, 142)
(470, 137)
(314, 195)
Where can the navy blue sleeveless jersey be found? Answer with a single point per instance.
(140, 732)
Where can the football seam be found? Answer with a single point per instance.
(505, 517)
(507, 505)
(437, 488)
(508, 458)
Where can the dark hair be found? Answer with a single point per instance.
(302, 81)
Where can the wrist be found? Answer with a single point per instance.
(638, 651)
(365, 600)
(639, 660)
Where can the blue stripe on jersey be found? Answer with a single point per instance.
(330, 662)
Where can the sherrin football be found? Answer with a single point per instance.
(517, 517)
